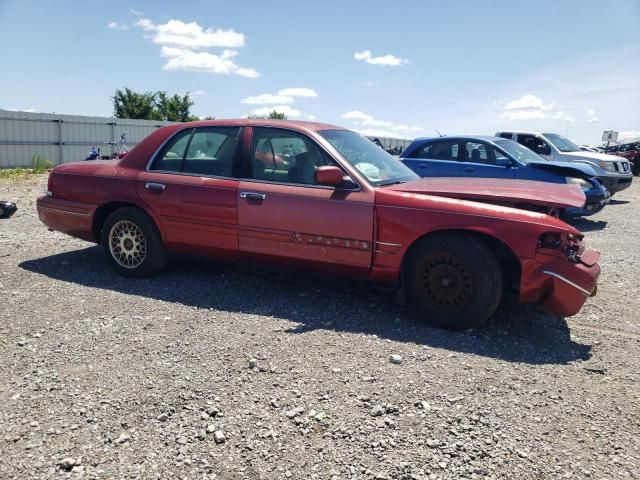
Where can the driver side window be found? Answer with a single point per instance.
(534, 144)
(285, 156)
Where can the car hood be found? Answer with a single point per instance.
(497, 190)
(593, 156)
(580, 167)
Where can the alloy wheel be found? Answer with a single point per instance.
(127, 244)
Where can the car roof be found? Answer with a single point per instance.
(258, 122)
(486, 138)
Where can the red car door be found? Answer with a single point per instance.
(191, 188)
(285, 218)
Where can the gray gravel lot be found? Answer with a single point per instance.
(210, 371)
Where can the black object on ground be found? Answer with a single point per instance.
(7, 209)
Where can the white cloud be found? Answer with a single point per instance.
(298, 92)
(523, 115)
(362, 119)
(145, 24)
(198, 93)
(137, 13)
(118, 26)
(281, 102)
(268, 99)
(184, 45)
(27, 110)
(388, 60)
(356, 115)
(530, 107)
(372, 132)
(284, 96)
(190, 35)
(288, 110)
(192, 61)
(528, 101)
(369, 83)
(591, 114)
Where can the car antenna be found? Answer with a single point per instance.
(439, 134)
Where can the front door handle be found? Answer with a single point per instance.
(469, 170)
(256, 196)
(154, 187)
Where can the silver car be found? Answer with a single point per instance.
(613, 171)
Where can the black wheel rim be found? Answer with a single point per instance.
(445, 282)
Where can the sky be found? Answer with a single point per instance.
(404, 69)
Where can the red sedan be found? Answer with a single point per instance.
(337, 204)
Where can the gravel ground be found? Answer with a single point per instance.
(210, 371)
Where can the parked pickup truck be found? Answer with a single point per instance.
(613, 171)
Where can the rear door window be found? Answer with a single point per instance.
(442, 150)
(170, 157)
(212, 151)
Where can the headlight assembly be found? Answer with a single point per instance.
(584, 184)
(608, 166)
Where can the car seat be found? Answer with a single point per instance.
(303, 170)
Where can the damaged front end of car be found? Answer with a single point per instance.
(562, 274)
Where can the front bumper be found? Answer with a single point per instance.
(616, 183)
(558, 285)
(597, 199)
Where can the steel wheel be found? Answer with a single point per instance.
(127, 244)
(446, 282)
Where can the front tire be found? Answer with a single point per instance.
(453, 281)
(132, 243)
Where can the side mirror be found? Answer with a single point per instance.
(329, 175)
(503, 162)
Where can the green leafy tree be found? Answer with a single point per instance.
(152, 106)
(130, 104)
(275, 115)
(175, 108)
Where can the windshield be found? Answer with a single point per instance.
(370, 160)
(561, 143)
(520, 153)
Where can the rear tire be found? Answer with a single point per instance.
(132, 243)
(453, 281)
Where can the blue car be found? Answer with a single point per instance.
(495, 157)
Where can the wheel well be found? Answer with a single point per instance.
(101, 215)
(508, 261)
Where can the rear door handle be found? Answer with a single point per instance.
(256, 196)
(154, 187)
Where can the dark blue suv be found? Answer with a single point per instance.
(495, 157)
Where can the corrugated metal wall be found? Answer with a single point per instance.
(68, 138)
(63, 138)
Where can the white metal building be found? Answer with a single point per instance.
(63, 138)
